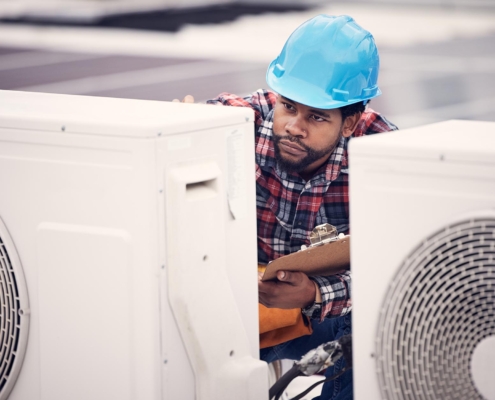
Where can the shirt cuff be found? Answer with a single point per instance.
(312, 311)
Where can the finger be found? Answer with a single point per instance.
(281, 275)
(266, 287)
(289, 277)
(175, 101)
(261, 300)
(188, 99)
(267, 297)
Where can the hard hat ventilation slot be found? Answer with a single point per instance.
(340, 95)
(278, 70)
(369, 92)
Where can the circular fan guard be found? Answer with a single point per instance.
(439, 306)
(14, 314)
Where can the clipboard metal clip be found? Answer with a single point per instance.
(323, 234)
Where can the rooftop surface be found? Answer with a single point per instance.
(436, 63)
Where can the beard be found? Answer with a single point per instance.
(312, 155)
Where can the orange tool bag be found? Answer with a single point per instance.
(278, 325)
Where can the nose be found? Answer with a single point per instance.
(296, 126)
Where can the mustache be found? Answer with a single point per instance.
(290, 138)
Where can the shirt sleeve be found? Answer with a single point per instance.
(335, 296)
(262, 101)
(372, 122)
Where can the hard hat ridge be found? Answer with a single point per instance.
(328, 62)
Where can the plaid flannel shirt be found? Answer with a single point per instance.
(288, 208)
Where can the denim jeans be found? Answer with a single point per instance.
(326, 331)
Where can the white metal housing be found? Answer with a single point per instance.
(423, 230)
(134, 222)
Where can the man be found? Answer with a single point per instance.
(322, 79)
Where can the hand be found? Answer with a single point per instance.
(290, 290)
(187, 99)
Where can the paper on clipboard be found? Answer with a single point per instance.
(327, 259)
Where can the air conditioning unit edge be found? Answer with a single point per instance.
(129, 218)
(423, 229)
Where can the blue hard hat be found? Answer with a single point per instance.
(327, 62)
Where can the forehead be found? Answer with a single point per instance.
(303, 107)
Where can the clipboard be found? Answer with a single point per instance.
(325, 259)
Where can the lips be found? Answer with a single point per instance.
(291, 148)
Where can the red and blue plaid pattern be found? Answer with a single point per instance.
(288, 207)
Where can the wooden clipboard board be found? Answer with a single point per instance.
(326, 259)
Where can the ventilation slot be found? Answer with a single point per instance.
(439, 306)
(14, 314)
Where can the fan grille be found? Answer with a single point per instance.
(14, 312)
(439, 306)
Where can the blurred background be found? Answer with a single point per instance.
(437, 56)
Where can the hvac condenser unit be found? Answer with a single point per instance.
(128, 250)
(423, 262)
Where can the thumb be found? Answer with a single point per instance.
(287, 276)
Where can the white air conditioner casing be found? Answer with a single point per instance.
(423, 262)
(130, 227)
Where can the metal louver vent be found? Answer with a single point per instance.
(14, 314)
(440, 305)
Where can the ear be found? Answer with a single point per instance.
(350, 124)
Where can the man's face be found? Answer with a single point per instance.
(304, 137)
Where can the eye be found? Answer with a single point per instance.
(289, 106)
(317, 118)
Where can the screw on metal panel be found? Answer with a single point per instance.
(160, 190)
(63, 128)
(165, 361)
(231, 353)
(163, 266)
(205, 257)
(442, 157)
(247, 119)
(159, 134)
